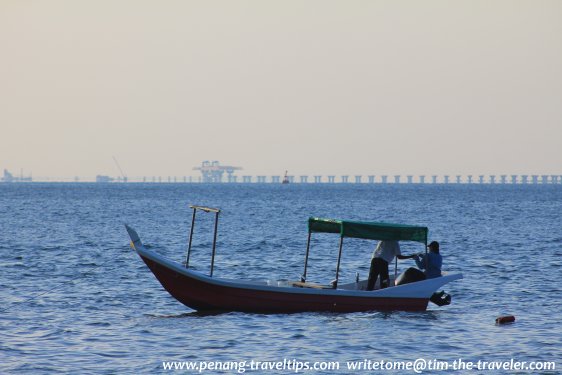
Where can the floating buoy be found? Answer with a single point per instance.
(505, 319)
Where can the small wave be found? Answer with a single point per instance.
(99, 324)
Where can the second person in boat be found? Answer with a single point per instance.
(431, 262)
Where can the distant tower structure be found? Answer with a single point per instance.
(446, 179)
(524, 179)
(544, 179)
(410, 179)
(331, 179)
(212, 171)
(358, 179)
(344, 179)
(317, 179)
(384, 179)
(422, 179)
(513, 178)
(397, 179)
(481, 179)
(275, 179)
(469, 179)
(554, 179)
(247, 179)
(459, 179)
(492, 179)
(503, 178)
(304, 179)
(434, 179)
(371, 179)
(261, 179)
(285, 179)
(535, 179)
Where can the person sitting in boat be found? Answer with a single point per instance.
(433, 261)
(384, 255)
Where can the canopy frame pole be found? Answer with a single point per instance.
(395, 269)
(426, 257)
(335, 282)
(190, 238)
(303, 278)
(214, 242)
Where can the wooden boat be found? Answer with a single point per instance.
(204, 292)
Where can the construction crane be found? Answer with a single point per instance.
(120, 170)
(213, 171)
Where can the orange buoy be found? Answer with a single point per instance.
(505, 319)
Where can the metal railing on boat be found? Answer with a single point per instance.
(216, 211)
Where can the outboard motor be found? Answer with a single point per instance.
(441, 298)
(412, 275)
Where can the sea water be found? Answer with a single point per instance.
(76, 299)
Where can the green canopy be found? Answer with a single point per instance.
(369, 230)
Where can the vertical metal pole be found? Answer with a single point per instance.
(395, 269)
(338, 266)
(190, 237)
(214, 242)
(306, 257)
(426, 259)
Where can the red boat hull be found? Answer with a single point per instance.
(202, 295)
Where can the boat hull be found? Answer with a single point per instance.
(200, 295)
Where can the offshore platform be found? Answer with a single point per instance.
(213, 171)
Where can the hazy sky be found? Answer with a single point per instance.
(313, 87)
